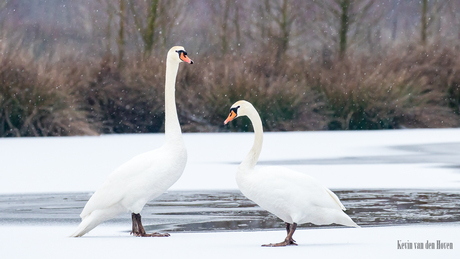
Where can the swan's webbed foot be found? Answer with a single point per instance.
(288, 241)
(139, 231)
(154, 234)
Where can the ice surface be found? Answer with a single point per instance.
(75, 164)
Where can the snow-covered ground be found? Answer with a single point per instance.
(397, 159)
(108, 242)
(74, 164)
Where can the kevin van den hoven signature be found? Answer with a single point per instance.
(428, 245)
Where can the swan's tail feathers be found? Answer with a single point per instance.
(347, 221)
(88, 223)
(354, 225)
(336, 199)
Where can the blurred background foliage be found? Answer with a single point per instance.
(79, 67)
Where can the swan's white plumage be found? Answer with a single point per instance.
(292, 196)
(145, 176)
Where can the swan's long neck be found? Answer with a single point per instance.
(172, 126)
(250, 161)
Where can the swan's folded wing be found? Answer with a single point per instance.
(297, 187)
(116, 185)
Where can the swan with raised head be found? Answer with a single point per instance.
(147, 175)
(292, 196)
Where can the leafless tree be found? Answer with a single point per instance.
(278, 23)
(226, 18)
(170, 15)
(145, 23)
(431, 18)
(154, 20)
(121, 32)
(343, 17)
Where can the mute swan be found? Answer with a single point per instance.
(147, 175)
(294, 197)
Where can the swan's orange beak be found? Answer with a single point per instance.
(184, 58)
(230, 117)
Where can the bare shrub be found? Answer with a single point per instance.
(123, 100)
(283, 101)
(33, 104)
(400, 91)
(439, 67)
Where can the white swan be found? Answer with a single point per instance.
(147, 175)
(294, 197)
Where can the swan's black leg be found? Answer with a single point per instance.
(291, 233)
(139, 231)
(288, 229)
(135, 226)
(288, 240)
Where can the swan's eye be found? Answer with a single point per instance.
(181, 52)
(235, 110)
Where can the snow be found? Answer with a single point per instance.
(109, 242)
(76, 164)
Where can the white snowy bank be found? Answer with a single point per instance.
(74, 164)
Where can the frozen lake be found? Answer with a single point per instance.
(398, 185)
(195, 211)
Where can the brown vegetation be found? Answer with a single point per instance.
(73, 67)
(416, 87)
(413, 87)
(32, 103)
